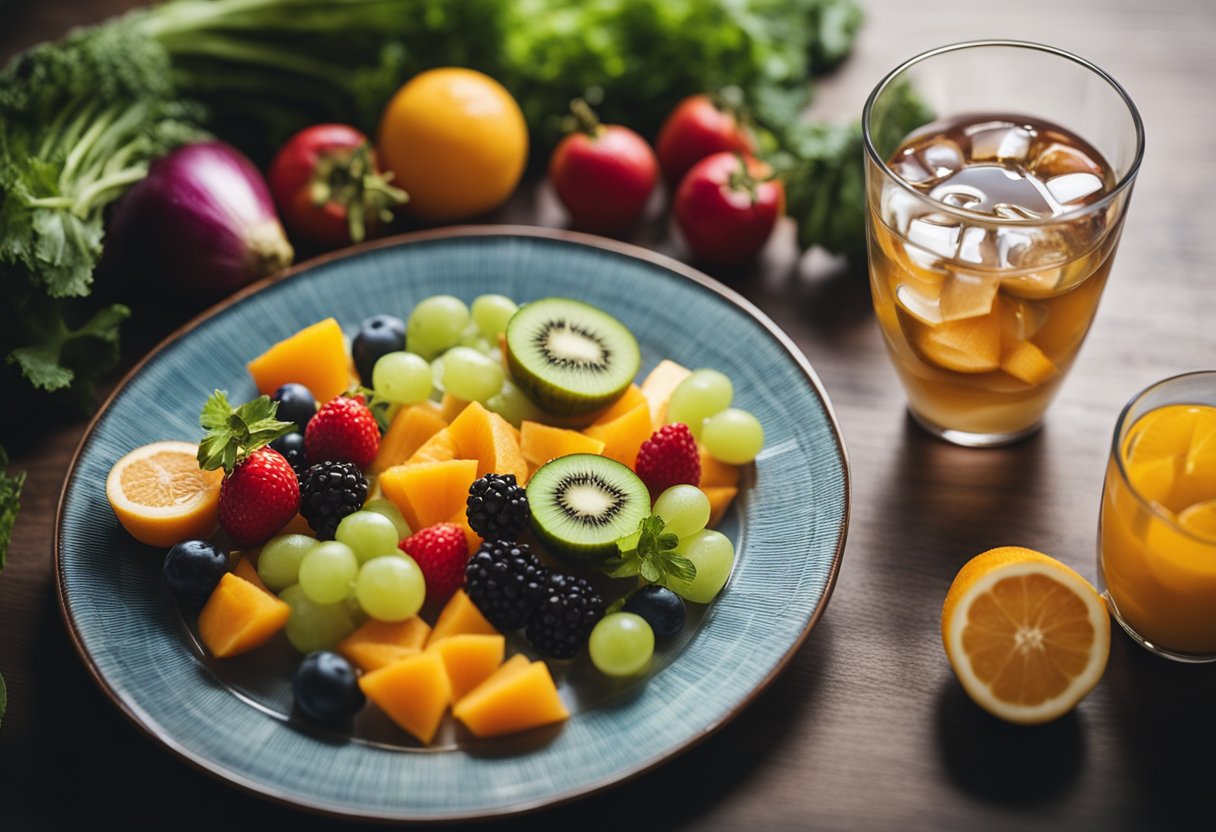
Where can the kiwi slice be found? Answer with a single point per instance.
(570, 358)
(583, 503)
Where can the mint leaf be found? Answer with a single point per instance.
(679, 567)
(650, 571)
(650, 552)
(216, 411)
(234, 433)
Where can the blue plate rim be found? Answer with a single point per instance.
(134, 714)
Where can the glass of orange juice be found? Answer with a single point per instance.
(1157, 533)
(992, 227)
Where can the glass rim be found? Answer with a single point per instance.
(1124, 183)
(1153, 507)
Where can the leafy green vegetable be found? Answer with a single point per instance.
(650, 552)
(10, 494)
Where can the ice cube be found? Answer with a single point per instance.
(917, 303)
(999, 140)
(934, 234)
(978, 246)
(900, 208)
(1036, 285)
(1009, 211)
(1059, 159)
(959, 195)
(909, 168)
(967, 295)
(1070, 187)
(1011, 246)
(1021, 320)
(942, 156)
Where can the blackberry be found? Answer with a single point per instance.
(291, 446)
(328, 492)
(497, 508)
(561, 624)
(506, 582)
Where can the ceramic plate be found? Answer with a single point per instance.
(233, 719)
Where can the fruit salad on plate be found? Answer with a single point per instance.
(440, 515)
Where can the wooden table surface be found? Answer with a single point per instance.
(867, 728)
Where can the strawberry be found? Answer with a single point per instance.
(260, 493)
(344, 430)
(669, 457)
(441, 552)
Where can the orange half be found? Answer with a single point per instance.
(1027, 637)
(161, 496)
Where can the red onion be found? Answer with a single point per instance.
(201, 225)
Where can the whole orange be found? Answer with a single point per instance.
(455, 141)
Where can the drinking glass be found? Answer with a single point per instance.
(983, 311)
(1157, 532)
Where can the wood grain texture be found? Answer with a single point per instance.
(867, 728)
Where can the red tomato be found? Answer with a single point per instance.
(328, 188)
(727, 206)
(699, 127)
(604, 175)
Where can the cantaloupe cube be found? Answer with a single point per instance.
(720, 498)
(429, 492)
(624, 435)
(512, 701)
(488, 438)
(451, 407)
(970, 345)
(470, 659)
(660, 384)
(245, 570)
(1027, 363)
(439, 448)
(460, 615)
(315, 357)
(409, 431)
(239, 617)
(541, 443)
(369, 656)
(297, 525)
(472, 538)
(715, 472)
(414, 692)
(631, 398)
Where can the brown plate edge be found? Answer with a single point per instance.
(454, 232)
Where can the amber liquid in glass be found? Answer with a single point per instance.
(984, 307)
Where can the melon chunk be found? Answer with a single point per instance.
(490, 439)
(971, 345)
(720, 498)
(245, 570)
(470, 659)
(429, 492)
(541, 443)
(239, 617)
(717, 473)
(451, 407)
(511, 700)
(1027, 363)
(315, 357)
(460, 615)
(378, 643)
(660, 384)
(439, 448)
(413, 691)
(369, 656)
(410, 429)
(631, 398)
(623, 436)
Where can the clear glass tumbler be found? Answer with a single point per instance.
(1157, 533)
(998, 174)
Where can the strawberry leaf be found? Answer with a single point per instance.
(234, 433)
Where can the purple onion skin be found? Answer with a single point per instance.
(200, 226)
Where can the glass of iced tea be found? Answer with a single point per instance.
(1157, 533)
(992, 226)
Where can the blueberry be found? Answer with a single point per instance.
(662, 609)
(296, 404)
(377, 336)
(325, 687)
(192, 569)
(291, 446)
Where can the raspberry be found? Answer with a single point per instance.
(669, 457)
(343, 430)
(497, 508)
(506, 582)
(441, 552)
(328, 492)
(567, 612)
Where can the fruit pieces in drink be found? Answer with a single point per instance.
(1157, 544)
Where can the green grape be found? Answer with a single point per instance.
(314, 626)
(391, 588)
(389, 510)
(733, 436)
(701, 395)
(713, 554)
(491, 313)
(328, 571)
(435, 325)
(369, 534)
(513, 404)
(684, 508)
(469, 375)
(279, 563)
(402, 378)
(621, 644)
(437, 375)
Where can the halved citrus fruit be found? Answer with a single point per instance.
(1027, 636)
(161, 496)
